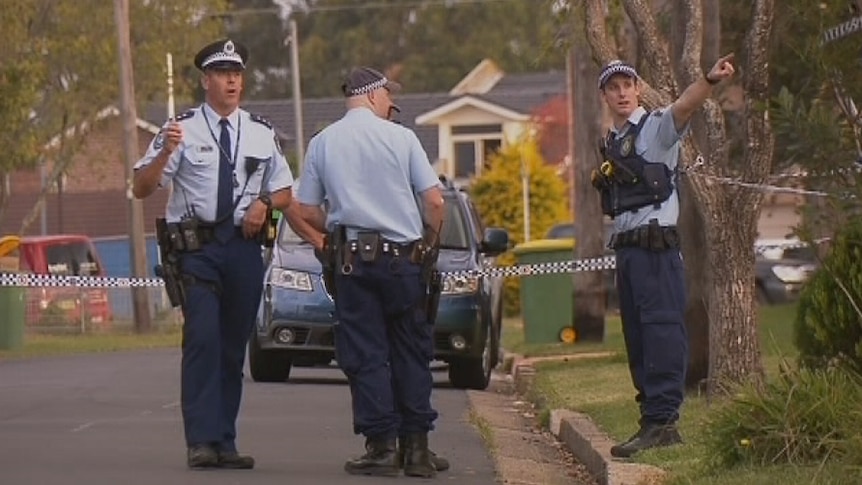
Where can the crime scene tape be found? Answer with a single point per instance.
(601, 263)
(694, 171)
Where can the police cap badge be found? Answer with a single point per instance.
(222, 54)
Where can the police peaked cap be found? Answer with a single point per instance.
(363, 80)
(616, 67)
(222, 54)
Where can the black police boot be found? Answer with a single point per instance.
(233, 460)
(417, 458)
(201, 456)
(379, 459)
(649, 436)
(440, 464)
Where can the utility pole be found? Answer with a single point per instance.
(297, 96)
(584, 114)
(138, 256)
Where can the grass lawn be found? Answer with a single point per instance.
(602, 389)
(40, 345)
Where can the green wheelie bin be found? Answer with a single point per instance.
(546, 299)
(12, 306)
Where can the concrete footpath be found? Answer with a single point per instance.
(590, 445)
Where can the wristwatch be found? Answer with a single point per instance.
(266, 199)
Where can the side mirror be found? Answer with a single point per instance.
(495, 241)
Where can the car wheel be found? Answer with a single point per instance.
(267, 365)
(474, 373)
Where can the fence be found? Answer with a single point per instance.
(81, 310)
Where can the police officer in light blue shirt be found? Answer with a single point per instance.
(371, 172)
(637, 183)
(226, 172)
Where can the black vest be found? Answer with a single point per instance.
(630, 181)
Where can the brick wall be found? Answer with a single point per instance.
(93, 200)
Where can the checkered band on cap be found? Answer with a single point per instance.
(222, 54)
(363, 80)
(616, 67)
(380, 83)
(228, 53)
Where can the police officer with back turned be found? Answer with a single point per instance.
(370, 171)
(227, 173)
(637, 182)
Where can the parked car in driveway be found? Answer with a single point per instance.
(781, 271)
(296, 315)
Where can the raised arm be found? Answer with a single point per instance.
(696, 93)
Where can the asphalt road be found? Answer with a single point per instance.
(114, 419)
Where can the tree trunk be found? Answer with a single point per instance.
(585, 110)
(691, 223)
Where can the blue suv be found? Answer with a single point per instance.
(296, 315)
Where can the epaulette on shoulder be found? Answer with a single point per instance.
(260, 119)
(186, 115)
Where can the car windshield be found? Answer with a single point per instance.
(454, 234)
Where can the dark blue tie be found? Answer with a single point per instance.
(224, 230)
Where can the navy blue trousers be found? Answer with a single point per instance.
(651, 286)
(384, 345)
(219, 312)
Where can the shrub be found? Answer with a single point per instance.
(828, 324)
(498, 197)
(804, 417)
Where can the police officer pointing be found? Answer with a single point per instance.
(227, 172)
(370, 172)
(637, 182)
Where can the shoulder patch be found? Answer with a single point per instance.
(184, 116)
(260, 119)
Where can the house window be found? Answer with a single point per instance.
(473, 145)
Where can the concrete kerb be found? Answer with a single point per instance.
(587, 442)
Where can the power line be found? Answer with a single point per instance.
(363, 6)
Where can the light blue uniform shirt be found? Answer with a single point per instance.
(657, 142)
(369, 170)
(192, 169)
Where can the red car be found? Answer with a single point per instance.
(64, 255)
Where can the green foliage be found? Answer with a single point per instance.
(59, 65)
(829, 322)
(807, 74)
(498, 197)
(20, 76)
(804, 417)
(429, 47)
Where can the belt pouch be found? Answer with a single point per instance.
(369, 243)
(176, 238)
(189, 229)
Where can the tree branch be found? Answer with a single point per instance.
(759, 134)
(692, 48)
(654, 50)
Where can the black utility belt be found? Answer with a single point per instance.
(369, 246)
(651, 236)
(191, 234)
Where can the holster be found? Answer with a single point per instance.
(432, 280)
(432, 295)
(169, 269)
(333, 255)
